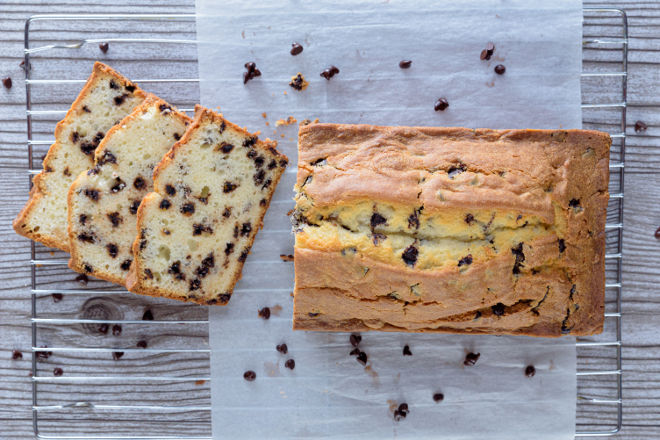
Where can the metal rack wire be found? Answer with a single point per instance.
(93, 401)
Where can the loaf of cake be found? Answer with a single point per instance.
(195, 230)
(450, 230)
(103, 201)
(104, 101)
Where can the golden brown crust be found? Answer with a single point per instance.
(37, 191)
(134, 282)
(558, 176)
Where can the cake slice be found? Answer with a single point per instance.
(104, 101)
(103, 202)
(210, 195)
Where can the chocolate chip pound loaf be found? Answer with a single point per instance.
(450, 230)
(105, 100)
(103, 201)
(210, 195)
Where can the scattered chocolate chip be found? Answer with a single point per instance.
(377, 219)
(401, 412)
(409, 255)
(104, 47)
(57, 371)
(296, 49)
(330, 72)
(251, 72)
(147, 315)
(405, 64)
(126, 264)
(6, 82)
(362, 358)
(16, 355)
(264, 313)
(139, 183)
(484, 55)
(498, 309)
(530, 371)
(57, 297)
(42, 355)
(500, 69)
(441, 105)
(471, 359)
(406, 351)
(116, 355)
(562, 245)
(438, 397)
(249, 375)
(490, 47)
(22, 66)
(141, 343)
(640, 126)
(290, 364)
(465, 261)
(355, 340)
(354, 352)
(657, 234)
(116, 330)
(103, 329)
(282, 348)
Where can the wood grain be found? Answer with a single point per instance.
(179, 373)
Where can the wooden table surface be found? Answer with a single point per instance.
(641, 273)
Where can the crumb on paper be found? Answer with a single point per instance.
(298, 82)
(307, 121)
(288, 121)
(285, 257)
(392, 405)
(264, 115)
(291, 294)
(200, 382)
(289, 212)
(256, 133)
(285, 92)
(282, 135)
(267, 124)
(276, 309)
(243, 34)
(272, 369)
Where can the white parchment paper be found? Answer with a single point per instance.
(329, 394)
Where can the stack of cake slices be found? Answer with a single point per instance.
(144, 196)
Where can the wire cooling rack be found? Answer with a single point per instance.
(159, 386)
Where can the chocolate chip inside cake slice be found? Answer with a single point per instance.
(104, 101)
(103, 200)
(210, 195)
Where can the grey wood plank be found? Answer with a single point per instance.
(641, 351)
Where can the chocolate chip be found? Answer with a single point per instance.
(465, 261)
(176, 136)
(530, 371)
(249, 375)
(6, 82)
(141, 343)
(520, 257)
(562, 245)
(148, 274)
(406, 351)
(264, 313)
(471, 359)
(116, 330)
(43, 355)
(92, 194)
(75, 137)
(246, 228)
(164, 108)
(438, 397)
(103, 329)
(251, 72)
(657, 234)
(86, 237)
(115, 218)
(126, 264)
(456, 170)
(296, 49)
(118, 186)
(198, 229)
(330, 72)
(104, 47)
(82, 218)
(22, 66)
(243, 255)
(229, 187)
(362, 358)
(355, 340)
(113, 84)
(175, 268)
(377, 219)
(119, 100)
(290, 364)
(469, 218)
(640, 126)
(409, 255)
(490, 47)
(574, 203)
(477, 315)
(224, 298)
(165, 204)
(259, 177)
(87, 268)
(188, 208)
(405, 64)
(86, 109)
(113, 250)
(226, 148)
(313, 314)
(116, 355)
(134, 207)
(500, 69)
(441, 105)
(401, 412)
(57, 371)
(195, 284)
(498, 309)
(139, 183)
(484, 55)
(87, 147)
(298, 82)
(249, 142)
(229, 248)
(282, 348)
(16, 355)
(147, 315)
